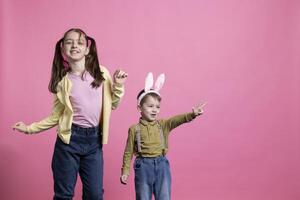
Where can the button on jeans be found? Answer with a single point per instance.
(84, 156)
(152, 176)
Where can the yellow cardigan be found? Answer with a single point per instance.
(62, 112)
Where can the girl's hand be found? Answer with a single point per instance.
(120, 77)
(20, 126)
(123, 179)
(198, 110)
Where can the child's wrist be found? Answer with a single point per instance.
(118, 84)
(194, 115)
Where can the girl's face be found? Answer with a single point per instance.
(150, 108)
(75, 47)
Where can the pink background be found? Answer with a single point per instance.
(240, 56)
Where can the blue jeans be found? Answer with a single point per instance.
(152, 176)
(84, 156)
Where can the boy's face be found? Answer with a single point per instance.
(150, 108)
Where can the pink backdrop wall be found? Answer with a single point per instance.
(240, 56)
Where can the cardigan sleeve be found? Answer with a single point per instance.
(116, 90)
(50, 121)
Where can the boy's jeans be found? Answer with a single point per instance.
(152, 176)
(84, 156)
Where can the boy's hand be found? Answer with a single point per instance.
(120, 77)
(20, 126)
(123, 179)
(198, 110)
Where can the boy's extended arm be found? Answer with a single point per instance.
(177, 120)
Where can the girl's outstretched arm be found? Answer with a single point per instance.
(20, 126)
(44, 124)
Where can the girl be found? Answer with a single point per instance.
(84, 95)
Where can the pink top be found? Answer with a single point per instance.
(86, 101)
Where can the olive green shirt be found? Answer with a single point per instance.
(151, 138)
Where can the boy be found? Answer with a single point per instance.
(148, 141)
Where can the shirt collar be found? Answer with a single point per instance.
(146, 123)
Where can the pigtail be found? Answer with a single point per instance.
(92, 63)
(59, 68)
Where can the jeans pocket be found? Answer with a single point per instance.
(59, 142)
(167, 162)
(137, 163)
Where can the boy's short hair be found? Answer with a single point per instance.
(152, 94)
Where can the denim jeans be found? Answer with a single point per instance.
(84, 156)
(152, 176)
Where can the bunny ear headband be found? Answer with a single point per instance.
(149, 85)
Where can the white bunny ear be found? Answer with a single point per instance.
(148, 82)
(159, 82)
